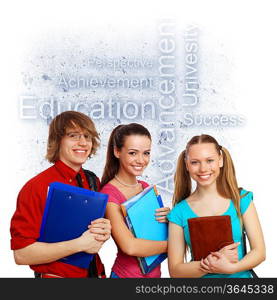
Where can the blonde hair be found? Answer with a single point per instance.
(226, 183)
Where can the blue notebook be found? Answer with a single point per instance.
(139, 212)
(67, 214)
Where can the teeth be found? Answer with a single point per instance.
(204, 176)
(137, 168)
(80, 151)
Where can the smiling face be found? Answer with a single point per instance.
(134, 156)
(203, 163)
(75, 148)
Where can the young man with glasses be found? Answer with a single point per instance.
(72, 140)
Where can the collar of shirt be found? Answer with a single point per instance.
(68, 173)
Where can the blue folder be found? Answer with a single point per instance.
(139, 212)
(67, 214)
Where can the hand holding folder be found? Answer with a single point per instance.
(139, 212)
(68, 212)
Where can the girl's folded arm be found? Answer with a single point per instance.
(126, 241)
(253, 229)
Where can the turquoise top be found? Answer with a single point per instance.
(182, 212)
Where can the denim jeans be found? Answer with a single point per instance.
(113, 275)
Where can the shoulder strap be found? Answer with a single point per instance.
(243, 195)
(96, 268)
(92, 180)
(253, 273)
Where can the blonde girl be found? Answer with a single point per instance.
(217, 193)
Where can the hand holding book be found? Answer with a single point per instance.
(217, 262)
(212, 244)
(138, 212)
(209, 234)
(231, 252)
(161, 214)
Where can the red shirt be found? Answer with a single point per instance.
(26, 221)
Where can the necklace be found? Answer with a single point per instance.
(128, 185)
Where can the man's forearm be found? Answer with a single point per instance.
(42, 253)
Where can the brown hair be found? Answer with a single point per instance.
(58, 127)
(117, 139)
(226, 182)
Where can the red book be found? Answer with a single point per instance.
(209, 234)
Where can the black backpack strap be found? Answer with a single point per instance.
(94, 266)
(92, 180)
(253, 273)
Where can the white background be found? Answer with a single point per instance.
(246, 28)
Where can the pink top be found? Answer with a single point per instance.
(126, 266)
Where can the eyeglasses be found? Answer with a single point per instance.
(76, 136)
